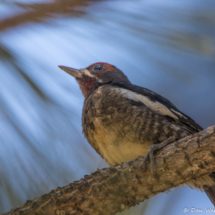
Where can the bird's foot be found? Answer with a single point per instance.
(155, 147)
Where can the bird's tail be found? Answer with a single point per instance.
(210, 191)
(206, 182)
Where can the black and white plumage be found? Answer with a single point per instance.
(122, 121)
(159, 104)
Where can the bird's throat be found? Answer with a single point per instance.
(87, 85)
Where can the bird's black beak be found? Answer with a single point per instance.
(73, 72)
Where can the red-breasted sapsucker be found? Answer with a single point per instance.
(122, 121)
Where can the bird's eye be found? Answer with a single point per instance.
(98, 67)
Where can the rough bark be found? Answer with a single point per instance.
(115, 189)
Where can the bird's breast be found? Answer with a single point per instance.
(110, 127)
(113, 147)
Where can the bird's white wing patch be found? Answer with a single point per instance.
(156, 106)
(180, 114)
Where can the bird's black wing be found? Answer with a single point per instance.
(159, 104)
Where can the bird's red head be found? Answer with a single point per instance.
(96, 75)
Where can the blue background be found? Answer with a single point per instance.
(167, 46)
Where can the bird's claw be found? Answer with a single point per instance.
(155, 147)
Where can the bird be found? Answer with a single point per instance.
(122, 121)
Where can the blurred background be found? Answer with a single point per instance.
(167, 46)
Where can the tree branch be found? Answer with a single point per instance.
(115, 189)
(42, 12)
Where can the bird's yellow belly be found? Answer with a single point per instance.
(113, 149)
(125, 151)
